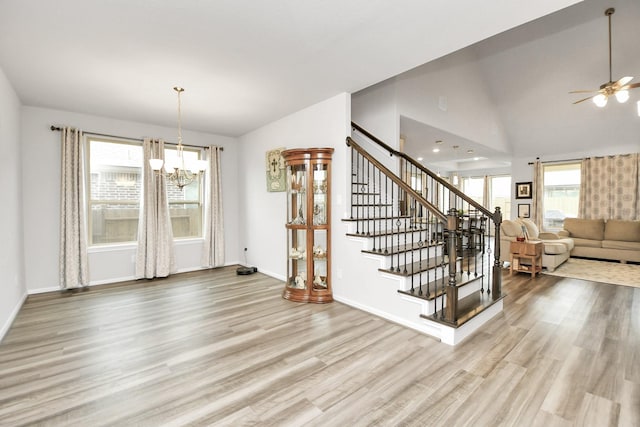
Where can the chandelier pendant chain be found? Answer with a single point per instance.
(181, 177)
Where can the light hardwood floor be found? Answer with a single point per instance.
(214, 348)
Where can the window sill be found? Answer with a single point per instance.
(112, 247)
(133, 246)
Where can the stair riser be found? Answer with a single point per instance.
(429, 307)
(391, 239)
(381, 220)
(403, 259)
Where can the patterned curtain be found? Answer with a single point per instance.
(155, 236)
(74, 270)
(213, 250)
(609, 187)
(538, 194)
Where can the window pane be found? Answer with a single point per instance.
(186, 220)
(474, 188)
(115, 179)
(561, 194)
(500, 188)
(113, 223)
(185, 205)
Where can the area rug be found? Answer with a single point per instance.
(599, 271)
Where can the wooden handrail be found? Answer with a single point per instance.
(393, 177)
(434, 176)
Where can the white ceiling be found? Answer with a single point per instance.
(529, 71)
(243, 63)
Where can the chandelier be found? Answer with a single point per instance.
(177, 172)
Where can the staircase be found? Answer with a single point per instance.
(436, 246)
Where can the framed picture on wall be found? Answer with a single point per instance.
(523, 190)
(524, 210)
(274, 163)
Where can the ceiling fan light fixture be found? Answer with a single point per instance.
(622, 96)
(618, 88)
(600, 100)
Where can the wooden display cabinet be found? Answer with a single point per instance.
(308, 174)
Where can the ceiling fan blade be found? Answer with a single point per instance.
(623, 81)
(582, 100)
(631, 86)
(584, 91)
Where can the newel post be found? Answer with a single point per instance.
(496, 287)
(451, 310)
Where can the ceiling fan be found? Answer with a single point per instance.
(618, 88)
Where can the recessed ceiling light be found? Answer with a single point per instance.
(420, 159)
(436, 150)
(470, 151)
(455, 147)
(476, 158)
(438, 142)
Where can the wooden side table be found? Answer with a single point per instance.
(526, 251)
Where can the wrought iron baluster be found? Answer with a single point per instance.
(386, 215)
(354, 156)
(379, 211)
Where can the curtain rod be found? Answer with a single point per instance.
(555, 161)
(575, 160)
(53, 128)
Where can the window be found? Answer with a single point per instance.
(500, 195)
(114, 184)
(561, 194)
(474, 188)
(499, 189)
(114, 176)
(185, 206)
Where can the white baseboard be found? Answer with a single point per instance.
(274, 275)
(118, 279)
(43, 290)
(7, 325)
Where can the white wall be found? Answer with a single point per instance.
(376, 110)
(12, 284)
(470, 112)
(263, 214)
(41, 188)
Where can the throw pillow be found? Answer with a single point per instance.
(532, 228)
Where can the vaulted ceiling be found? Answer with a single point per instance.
(527, 73)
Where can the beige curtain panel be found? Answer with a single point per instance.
(609, 187)
(538, 194)
(213, 250)
(154, 256)
(73, 261)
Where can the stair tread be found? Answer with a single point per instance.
(375, 218)
(400, 249)
(425, 265)
(359, 205)
(468, 308)
(387, 233)
(437, 284)
(414, 268)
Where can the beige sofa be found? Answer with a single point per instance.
(556, 248)
(597, 238)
